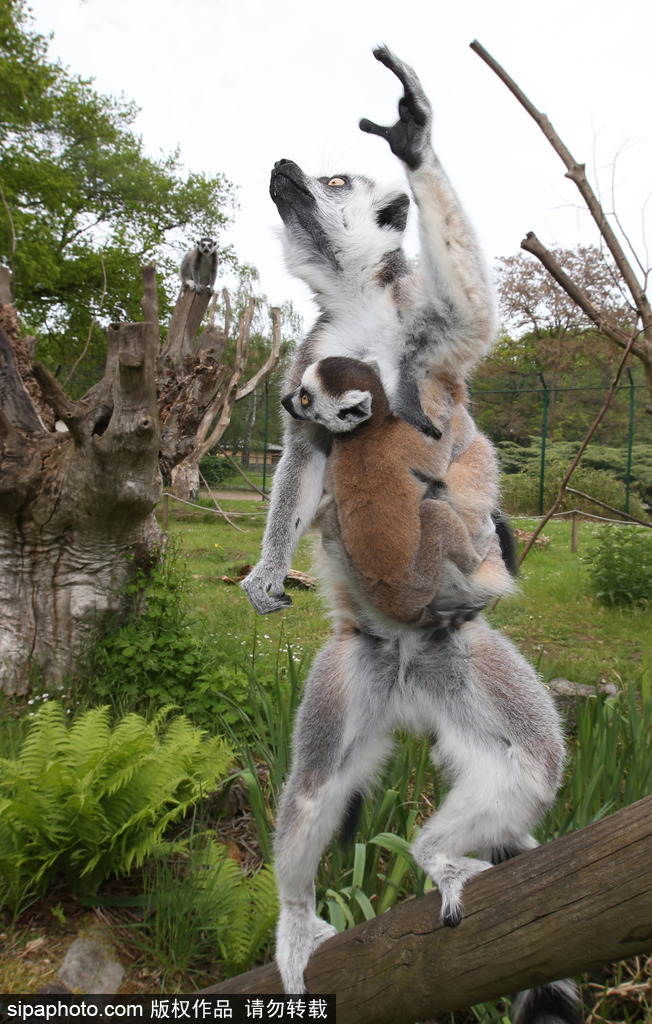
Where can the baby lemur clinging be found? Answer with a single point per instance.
(386, 498)
(495, 731)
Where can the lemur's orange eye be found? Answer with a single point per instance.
(337, 181)
(305, 399)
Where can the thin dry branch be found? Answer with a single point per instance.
(13, 243)
(271, 360)
(241, 471)
(240, 362)
(603, 322)
(577, 173)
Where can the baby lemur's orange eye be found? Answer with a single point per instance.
(305, 399)
(336, 181)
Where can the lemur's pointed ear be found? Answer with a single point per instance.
(354, 409)
(395, 213)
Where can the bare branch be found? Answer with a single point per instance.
(577, 173)
(217, 505)
(241, 471)
(271, 360)
(604, 323)
(241, 356)
(6, 285)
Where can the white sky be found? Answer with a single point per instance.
(239, 84)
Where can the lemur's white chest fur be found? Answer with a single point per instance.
(375, 335)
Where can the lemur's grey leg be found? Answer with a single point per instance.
(338, 745)
(499, 741)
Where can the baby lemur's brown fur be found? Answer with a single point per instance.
(388, 502)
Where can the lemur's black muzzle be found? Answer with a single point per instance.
(288, 404)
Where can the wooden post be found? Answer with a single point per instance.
(571, 906)
(575, 530)
(166, 511)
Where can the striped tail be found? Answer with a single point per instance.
(557, 1003)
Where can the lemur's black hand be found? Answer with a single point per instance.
(409, 138)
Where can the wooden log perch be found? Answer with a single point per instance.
(570, 906)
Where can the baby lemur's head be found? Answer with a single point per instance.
(339, 393)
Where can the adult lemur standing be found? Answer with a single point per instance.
(494, 729)
(198, 268)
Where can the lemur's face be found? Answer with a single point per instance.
(206, 246)
(339, 411)
(339, 227)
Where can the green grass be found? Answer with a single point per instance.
(256, 667)
(554, 619)
(559, 625)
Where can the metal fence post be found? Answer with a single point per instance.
(544, 429)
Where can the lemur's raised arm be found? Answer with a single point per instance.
(343, 237)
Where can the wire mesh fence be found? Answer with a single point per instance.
(534, 427)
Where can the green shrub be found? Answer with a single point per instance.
(516, 458)
(84, 800)
(166, 656)
(215, 469)
(620, 566)
(520, 490)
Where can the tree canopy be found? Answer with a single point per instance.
(83, 205)
(548, 339)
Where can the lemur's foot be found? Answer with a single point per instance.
(450, 875)
(409, 138)
(265, 591)
(298, 935)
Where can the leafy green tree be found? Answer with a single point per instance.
(83, 206)
(548, 338)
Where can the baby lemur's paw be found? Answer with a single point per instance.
(265, 590)
(409, 138)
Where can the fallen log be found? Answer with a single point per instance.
(573, 905)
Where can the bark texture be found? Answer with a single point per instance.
(79, 481)
(571, 906)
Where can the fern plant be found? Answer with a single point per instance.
(200, 907)
(84, 800)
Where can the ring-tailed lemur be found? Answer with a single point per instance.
(424, 327)
(387, 508)
(199, 266)
(495, 731)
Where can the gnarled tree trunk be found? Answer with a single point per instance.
(79, 481)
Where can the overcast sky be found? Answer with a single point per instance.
(237, 84)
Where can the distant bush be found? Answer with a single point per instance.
(620, 566)
(215, 469)
(520, 490)
(515, 458)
